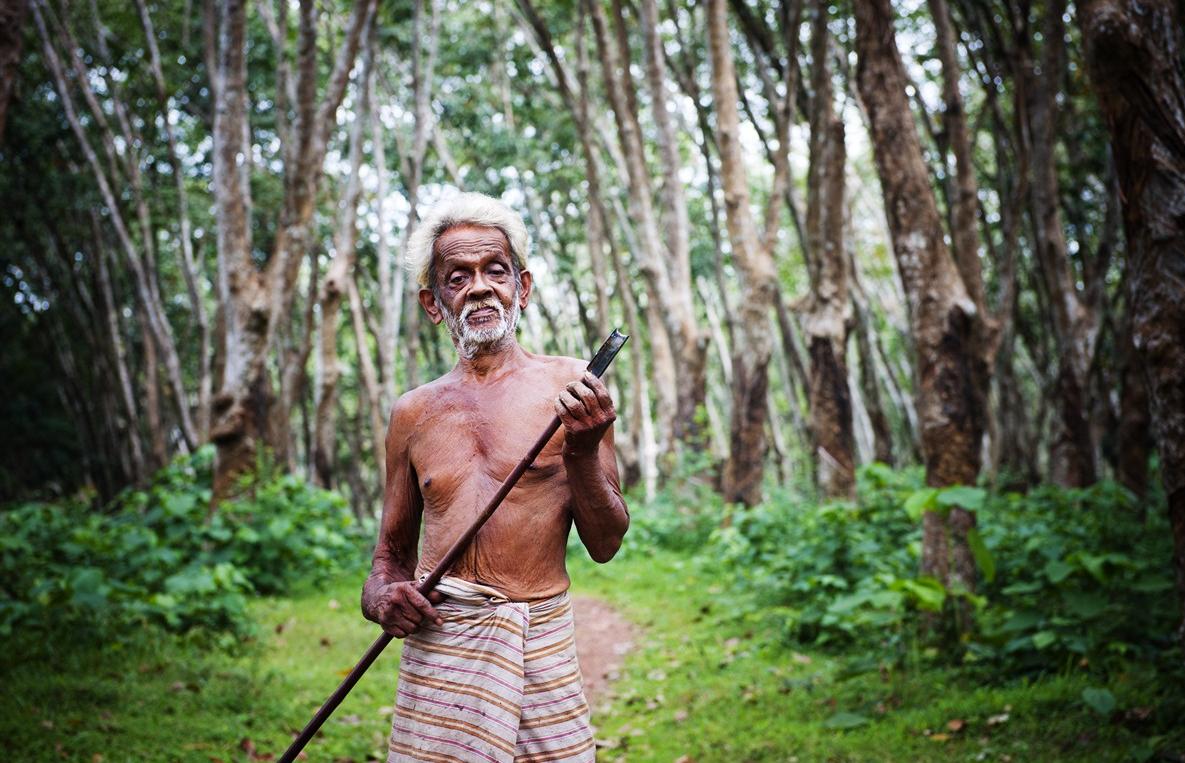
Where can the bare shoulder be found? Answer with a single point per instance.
(559, 369)
(413, 406)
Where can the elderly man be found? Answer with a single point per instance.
(488, 671)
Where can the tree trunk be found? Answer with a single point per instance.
(240, 408)
(650, 254)
(189, 270)
(691, 342)
(826, 320)
(1134, 56)
(741, 479)
(882, 434)
(338, 281)
(258, 303)
(1072, 457)
(370, 383)
(950, 399)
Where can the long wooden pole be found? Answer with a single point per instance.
(597, 367)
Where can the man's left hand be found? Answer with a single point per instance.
(586, 411)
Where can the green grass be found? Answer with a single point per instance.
(708, 682)
(711, 684)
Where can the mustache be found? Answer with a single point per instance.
(471, 307)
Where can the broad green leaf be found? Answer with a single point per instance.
(928, 592)
(1043, 639)
(1022, 621)
(1084, 605)
(1057, 570)
(1101, 701)
(983, 557)
(845, 720)
(919, 502)
(970, 498)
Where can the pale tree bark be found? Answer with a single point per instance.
(239, 409)
(370, 383)
(423, 75)
(828, 314)
(338, 280)
(638, 449)
(189, 267)
(119, 350)
(741, 478)
(651, 253)
(258, 303)
(943, 317)
(1133, 52)
(390, 273)
(157, 323)
(691, 342)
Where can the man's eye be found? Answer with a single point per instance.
(457, 280)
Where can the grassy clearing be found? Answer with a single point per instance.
(706, 683)
(709, 685)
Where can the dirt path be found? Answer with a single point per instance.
(603, 638)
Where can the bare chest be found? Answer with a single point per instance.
(469, 444)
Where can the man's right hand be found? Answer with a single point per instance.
(402, 610)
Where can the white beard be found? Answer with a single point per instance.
(471, 341)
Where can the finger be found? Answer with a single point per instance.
(586, 396)
(396, 632)
(425, 609)
(564, 415)
(600, 390)
(404, 624)
(436, 597)
(573, 404)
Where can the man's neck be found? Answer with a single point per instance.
(485, 365)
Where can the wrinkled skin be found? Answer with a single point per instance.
(451, 442)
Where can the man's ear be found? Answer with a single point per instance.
(428, 302)
(524, 293)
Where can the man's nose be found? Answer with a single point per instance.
(480, 287)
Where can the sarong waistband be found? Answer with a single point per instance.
(466, 592)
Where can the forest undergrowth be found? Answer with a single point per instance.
(790, 631)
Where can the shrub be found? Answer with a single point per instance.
(1067, 577)
(157, 556)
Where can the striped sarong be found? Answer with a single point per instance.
(497, 682)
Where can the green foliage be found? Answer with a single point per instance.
(1080, 577)
(158, 556)
(1067, 577)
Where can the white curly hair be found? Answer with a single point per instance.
(464, 209)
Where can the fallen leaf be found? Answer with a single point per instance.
(333, 604)
(956, 725)
(96, 758)
(247, 746)
(845, 720)
(996, 720)
(939, 737)
(801, 659)
(386, 710)
(680, 716)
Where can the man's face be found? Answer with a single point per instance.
(474, 289)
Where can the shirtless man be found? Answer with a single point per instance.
(488, 671)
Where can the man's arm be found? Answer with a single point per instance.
(389, 596)
(598, 510)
